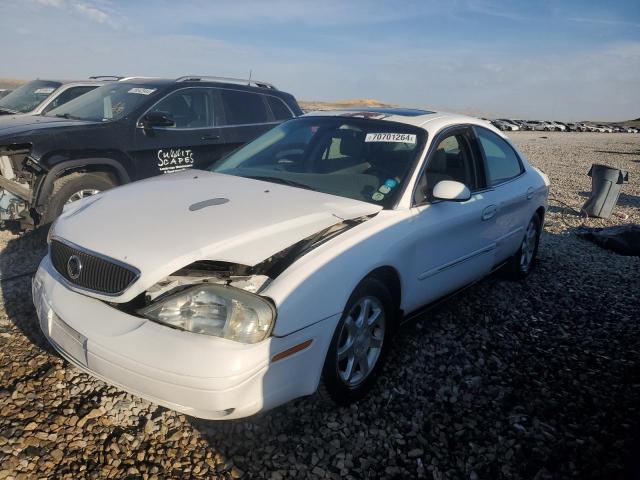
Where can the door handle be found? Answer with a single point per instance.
(210, 137)
(529, 193)
(489, 212)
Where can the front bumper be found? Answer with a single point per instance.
(198, 375)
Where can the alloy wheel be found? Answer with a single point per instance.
(360, 341)
(84, 193)
(528, 247)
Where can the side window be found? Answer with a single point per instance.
(452, 159)
(68, 95)
(502, 161)
(278, 108)
(244, 108)
(189, 108)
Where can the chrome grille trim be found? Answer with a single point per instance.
(100, 274)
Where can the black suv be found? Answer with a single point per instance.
(125, 131)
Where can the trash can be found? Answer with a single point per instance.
(606, 183)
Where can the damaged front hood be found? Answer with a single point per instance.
(167, 222)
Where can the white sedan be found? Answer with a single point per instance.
(288, 265)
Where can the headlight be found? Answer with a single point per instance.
(215, 310)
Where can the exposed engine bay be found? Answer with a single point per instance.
(253, 279)
(16, 183)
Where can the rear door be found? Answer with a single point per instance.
(195, 141)
(510, 189)
(453, 242)
(248, 115)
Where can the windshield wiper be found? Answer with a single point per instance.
(67, 116)
(283, 181)
(8, 110)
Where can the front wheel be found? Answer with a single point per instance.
(71, 188)
(520, 264)
(359, 344)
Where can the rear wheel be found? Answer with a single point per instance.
(523, 261)
(74, 187)
(359, 344)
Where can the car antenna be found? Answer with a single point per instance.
(250, 71)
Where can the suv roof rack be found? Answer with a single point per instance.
(243, 81)
(115, 78)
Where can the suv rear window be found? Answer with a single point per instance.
(243, 108)
(279, 109)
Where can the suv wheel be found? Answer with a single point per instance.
(360, 343)
(71, 188)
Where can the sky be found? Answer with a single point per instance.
(557, 60)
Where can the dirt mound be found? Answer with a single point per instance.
(359, 102)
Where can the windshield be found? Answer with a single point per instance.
(109, 102)
(28, 96)
(368, 160)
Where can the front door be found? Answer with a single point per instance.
(453, 242)
(194, 141)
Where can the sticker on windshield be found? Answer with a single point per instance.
(142, 91)
(377, 196)
(391, 137)
(384, 189)
(46, 90)
(390, 182)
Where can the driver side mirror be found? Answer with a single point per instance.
(452, 191)
(157, 119)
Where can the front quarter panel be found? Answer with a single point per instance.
(319, 284)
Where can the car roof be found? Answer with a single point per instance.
(425, 119)
(191, 80)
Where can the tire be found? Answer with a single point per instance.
(523, 261)
(336, 383)
(71, 187)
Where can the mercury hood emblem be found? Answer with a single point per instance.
(74, 267)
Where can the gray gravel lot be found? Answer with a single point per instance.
(537, 379)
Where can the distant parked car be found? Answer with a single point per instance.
(543, 126)
(605, 128)
(125, 131)
(522, 124)
(500, 125)
(513, 126)
(531, 124)
(562, 127)
(41, 96)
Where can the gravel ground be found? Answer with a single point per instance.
(537, 379)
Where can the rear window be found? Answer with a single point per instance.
(502, 161)
(244, 108)
(279, 109)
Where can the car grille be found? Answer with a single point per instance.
(97, 274)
